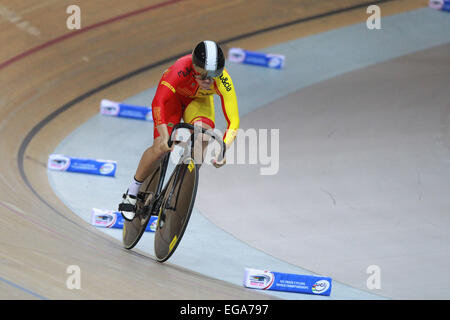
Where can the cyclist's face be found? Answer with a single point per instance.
(204, 84)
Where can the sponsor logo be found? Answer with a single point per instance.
(274, 62)
(191, 166)
(112, 110)
(320, 286)
(225, 83)
(153, 225)
(185, 92)
(59, 163)
(105, 220)
(436, 4)
(157, 115)
(236, 55)
(261, 280)
(185, 73)
(107, 168)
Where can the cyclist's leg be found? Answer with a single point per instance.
(200, 112)
(149, 160)
(150, 157)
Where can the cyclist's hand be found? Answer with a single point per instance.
(164, 146)
(163, 138)
(216, 163)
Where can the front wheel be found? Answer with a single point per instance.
(176, 209)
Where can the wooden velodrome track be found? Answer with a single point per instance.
(52, 80)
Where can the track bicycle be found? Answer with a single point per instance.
(171, 202)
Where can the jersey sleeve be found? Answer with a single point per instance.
(225, 90)
(165, 90)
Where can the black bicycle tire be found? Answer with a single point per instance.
(188, 215)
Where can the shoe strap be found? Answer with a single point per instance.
(128, 207)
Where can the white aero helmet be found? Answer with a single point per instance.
(208, 59)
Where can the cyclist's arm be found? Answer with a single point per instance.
(225, 90)
(164, 92)
(163, 132)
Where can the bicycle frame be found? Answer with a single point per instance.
(160, 192)
(152, 206)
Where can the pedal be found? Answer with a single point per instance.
(126, 207)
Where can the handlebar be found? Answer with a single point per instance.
(211, 133)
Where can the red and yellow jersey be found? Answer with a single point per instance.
(179, 80)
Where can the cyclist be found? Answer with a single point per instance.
(186, 91)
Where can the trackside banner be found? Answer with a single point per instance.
(114, 219)
(269, 280)
(100, 167)
(117, 109)
(274, 61)
(443, 5)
